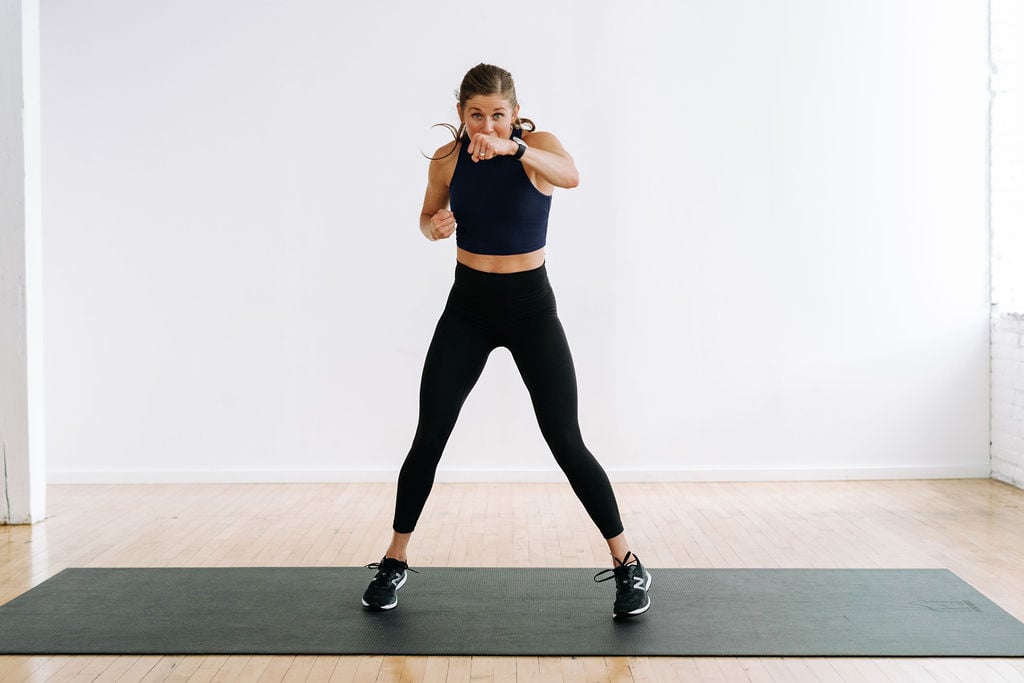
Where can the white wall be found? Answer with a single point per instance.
(1007, 217)
(776, 264)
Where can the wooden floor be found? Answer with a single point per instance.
(973, 527)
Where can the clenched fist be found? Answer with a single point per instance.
(442, 225)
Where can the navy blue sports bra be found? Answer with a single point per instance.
(498, 209)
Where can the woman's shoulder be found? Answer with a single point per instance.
(446, 150)
(442, 163)
(445, 155)
(542, 139)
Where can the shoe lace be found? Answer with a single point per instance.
(622, 578)
(383, 576)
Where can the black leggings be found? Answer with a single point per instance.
(517, 311)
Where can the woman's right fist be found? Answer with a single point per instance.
(442, 225)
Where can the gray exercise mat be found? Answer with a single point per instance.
(509, 612)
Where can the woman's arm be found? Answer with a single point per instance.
(436, 221)
(546, 161)
(546, 158)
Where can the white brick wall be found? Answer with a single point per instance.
(1008, 399)
(1007, 203)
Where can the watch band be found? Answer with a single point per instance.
(522, 148)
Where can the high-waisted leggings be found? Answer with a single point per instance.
(517, 311)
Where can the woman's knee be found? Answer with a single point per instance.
(565, 442)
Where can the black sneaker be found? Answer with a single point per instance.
(382, 593)
(632, 583)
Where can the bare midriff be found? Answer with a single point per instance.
(489, 263)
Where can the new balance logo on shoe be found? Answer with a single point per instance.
(382, 593)
(632, 583)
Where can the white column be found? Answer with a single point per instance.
(22, 464)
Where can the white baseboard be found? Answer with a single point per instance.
(361, 476)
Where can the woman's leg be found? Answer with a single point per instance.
(399, 548)
(619, 548)
(455, 359)
(542, 355)
(545, 362)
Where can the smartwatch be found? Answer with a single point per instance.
(522, 148)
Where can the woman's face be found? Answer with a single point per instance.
(488, 114)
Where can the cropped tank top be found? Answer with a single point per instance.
(498, 210)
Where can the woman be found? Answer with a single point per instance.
(498, 176)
